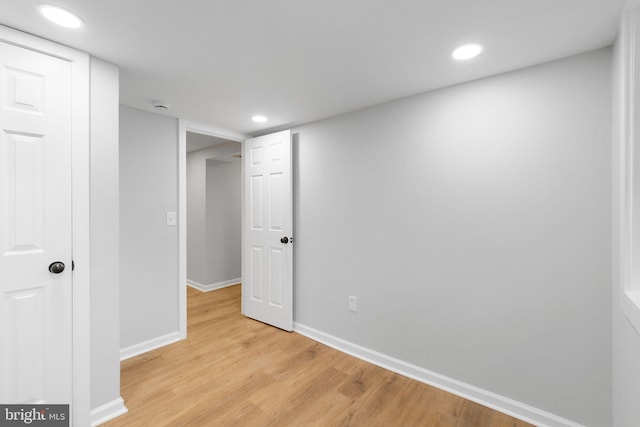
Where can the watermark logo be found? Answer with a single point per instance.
(34, 415)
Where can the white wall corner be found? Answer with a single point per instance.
(149, 345)
(108, 411)
(475, 394)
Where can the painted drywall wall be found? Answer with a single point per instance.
(223, 216)
(148, 247)
(105, 333)
(473, 224)
(626, 341)
(626, 375)
(197, 257)
(196, 219)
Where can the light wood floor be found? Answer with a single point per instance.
(233, 371)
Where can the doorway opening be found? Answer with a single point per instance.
(210, 175)
(213, 212)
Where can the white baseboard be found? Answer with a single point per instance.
(108, 411)
(152, 344)
(213, 286)
(492, 400)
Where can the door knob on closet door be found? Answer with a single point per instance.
(56, 267)
(284, 240)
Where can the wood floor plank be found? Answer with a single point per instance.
(234, 371)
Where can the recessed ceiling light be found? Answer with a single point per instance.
(259, 119)
(468, 51)
(60, 16)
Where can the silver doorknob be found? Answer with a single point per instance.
(56, 267)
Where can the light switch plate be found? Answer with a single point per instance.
(353, 303)
(172, 219)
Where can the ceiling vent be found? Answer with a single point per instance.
(160, 106)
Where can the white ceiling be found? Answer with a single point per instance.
(218, 62)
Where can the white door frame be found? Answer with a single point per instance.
(79, 61)
(185, 126)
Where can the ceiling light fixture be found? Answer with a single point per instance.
(468, 51)
(60, 16)
(259, 119)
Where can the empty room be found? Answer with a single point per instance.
(277, 213)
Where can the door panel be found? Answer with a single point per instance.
(35, 227)
(267, 262)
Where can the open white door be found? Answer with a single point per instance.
(35, 228)
(267, 251)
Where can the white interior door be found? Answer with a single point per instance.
(35, 227)
(267, 265)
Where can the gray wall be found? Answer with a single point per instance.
(196, 219)
(473, 224)
(223, 216)
(626, 375)
(105, 333)
(198, 258)
(626, 341)
(148, 248)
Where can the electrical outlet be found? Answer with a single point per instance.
(353, 303)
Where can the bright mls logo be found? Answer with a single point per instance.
(34, 415)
